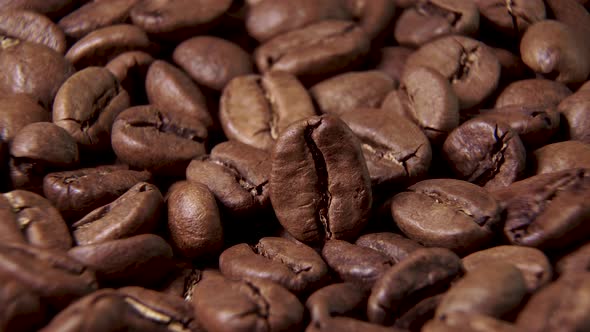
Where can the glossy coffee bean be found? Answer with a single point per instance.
(17, 111)
(576, 115)
(32, 27)
(561, 156)
(394, 246)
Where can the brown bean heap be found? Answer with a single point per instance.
(294, 165)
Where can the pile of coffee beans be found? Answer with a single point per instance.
(295, 165)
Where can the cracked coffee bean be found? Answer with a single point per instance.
(511, 17)
(320, 159)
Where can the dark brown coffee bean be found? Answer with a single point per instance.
(485, 152)
(561, 306)
(374, 17)
(561, 156)
(32, 27)
(470, 66)
(193, 220)
(131, 68)
(426, 98)
(177, 20)
(394, 246)
(532, 92)
(32, 69)
(135, 212)
(258, 305)
(318, 50)
(512, 67)
(419, 314)
(269, 19)
(431, 19)
(76, 193)
(556, 50)
(534, 124)
(129, 309)
(321, 160)
(169, 88)
(238, 176)
(495, 289)
(181, 281)
(577, 261)
(392, 61)
(423, 273)
(468, 322)
(160, 140)
(548, 210)
(37, 149)
(17, 111)
(349, 91)
(51, 8)
(53, 275)
(532, 263)
(359, 265)
(102, 45)
(95, 15)
(256, 109)
(396, 151)
(137, 260)
(10, 231)
(513, 17)
(23, 310)
(212, 61)
(86, 106)
(294, 266)
(447, 213)
(338, 299)
(576, 111)
(38, 221)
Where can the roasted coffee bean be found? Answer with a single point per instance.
(257, 305)
(392, 61)
(129, 309)
(349, 91)
(321, 160)
(511, 18)
(512, 67)
(10, 231)
(256, 109)
(23, 310)
(177, 20)
(394, 246)
(32, 27)
(193, 220)
(374, 17)
(39, 148)
(131, 68)
(137, 211)
(556, 50)
(532, 92)
(138, 260)
(294, 266)
(17, 111)
(32, 69)
(426, 98)
(313, 52)
(495, 289)
(396, 151)
(532, 263)
(485, 152)
(212, 61)
(468, 322)
(535, 125)
(238, 176)
(181, 281)
(102, 45)
(447, 213)
(470, 66)
(95, 15)
(269, 19)
(86, 106)
(359, 265)
(547, 211)
(577, 261)
(431, 19)
(169, 88)
(575, 110)
(51, 8)
(55, 277)
(77, 193)
(160, 140)
(561, 306)
(423, 273)
(419, 314)
(561, 156)
(39, 222)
